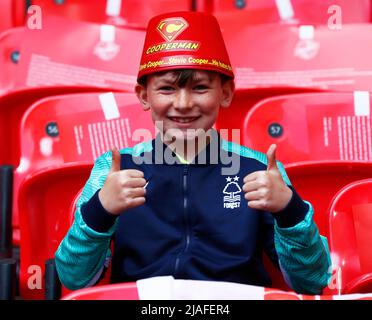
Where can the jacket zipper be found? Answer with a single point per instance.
(186, 219)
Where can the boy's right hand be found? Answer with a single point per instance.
(123, 189)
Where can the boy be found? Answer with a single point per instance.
(188, 203)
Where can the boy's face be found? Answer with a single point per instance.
(181, 110)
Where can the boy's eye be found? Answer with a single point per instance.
(166, 88)
(200, 87)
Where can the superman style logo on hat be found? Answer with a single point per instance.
(184, 40)
(171, 28)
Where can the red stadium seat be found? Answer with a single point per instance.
(10, 46)
(291, 59)
(12, 108)
(289, 11)
(121, 291)
(12, 14)
(53, 71)
(312, 126)
(44, 202)
(350, 237)
(129, 13)
(319, 181)
(232, 118)
(62, 232)
(167, 288)
(61, 138)
(6, 21)
(107, 58)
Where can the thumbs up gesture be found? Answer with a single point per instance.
(266, 190)
(123, 189)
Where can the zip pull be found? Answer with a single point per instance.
(185, 169)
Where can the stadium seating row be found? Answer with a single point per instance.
(136, 13)
(167, 288)
(63, 105)
(59, 143)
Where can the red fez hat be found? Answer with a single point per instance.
(184, 40)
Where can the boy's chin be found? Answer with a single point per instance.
(184, 135)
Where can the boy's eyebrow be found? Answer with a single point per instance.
(203, 77)
(174, 78)
(172, 81)
(197, 79)
(169, 80)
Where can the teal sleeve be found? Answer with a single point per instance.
(81, 255)
(303, 254)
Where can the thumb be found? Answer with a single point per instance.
(271, 158)
(116, 160)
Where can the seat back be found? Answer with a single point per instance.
(109, 57)
(80, 127)
(291, 11)
(230, 121)
(105, 279)
(61, 138)
(306, 59)
(13, 106)
(318, 182)
(129, 13)
(10, 47)
(305, 56)
(121, 291)
(167, 288)
(6, 9)
(312, 127)
(350, 237)
(12, 14)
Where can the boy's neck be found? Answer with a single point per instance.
(187, 150)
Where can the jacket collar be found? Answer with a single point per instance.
(161, 153)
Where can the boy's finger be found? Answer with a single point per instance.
(116, 160)
(256, 204)
(138, 192)
(135, 202)
(251, 186)
(133, 173)
(271, 158)
(135, 182)
(252, 176)
(253, 195)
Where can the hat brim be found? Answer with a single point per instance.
(183, 67)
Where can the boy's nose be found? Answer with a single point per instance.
(183, 100)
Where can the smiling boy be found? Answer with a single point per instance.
(189, 203)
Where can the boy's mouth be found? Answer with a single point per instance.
(183, 119)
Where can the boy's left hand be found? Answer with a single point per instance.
(266, 190)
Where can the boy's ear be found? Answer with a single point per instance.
(228, 89)
(141, 93)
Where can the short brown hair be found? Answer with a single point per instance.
(183, 76)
